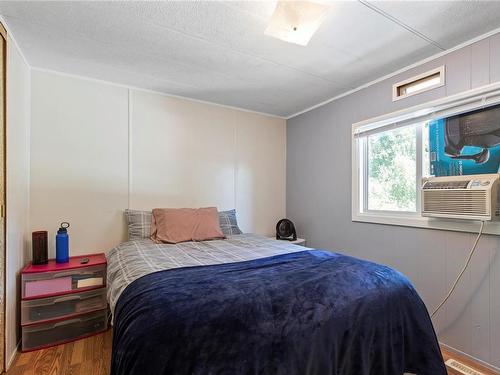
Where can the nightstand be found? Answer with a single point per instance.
(298, 241)
(62, 302)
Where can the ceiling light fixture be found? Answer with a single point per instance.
(296, 21)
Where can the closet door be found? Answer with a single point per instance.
(3, 53)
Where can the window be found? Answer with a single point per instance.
(418, 84)
(391, 154)
(390, 169)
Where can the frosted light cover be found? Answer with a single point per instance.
(296, 21)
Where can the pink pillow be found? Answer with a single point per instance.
(174, 225)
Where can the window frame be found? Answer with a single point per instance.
(470, 100)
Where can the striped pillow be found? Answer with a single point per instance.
(228, 223)
(139, 224)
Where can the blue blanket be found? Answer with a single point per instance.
(311, 312)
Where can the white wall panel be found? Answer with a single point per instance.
(97, 149)
(457, 314)
(17, 189)
(186, 154)
(494, 305)
(480, 278)
(79, 160)
(495, 58)
(480, 63)
(182, 153)
(261, 175)
(458, 71)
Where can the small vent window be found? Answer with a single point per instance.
(418, 84)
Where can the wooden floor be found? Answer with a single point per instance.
(92, 356)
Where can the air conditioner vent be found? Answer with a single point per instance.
(461, 197)
(457, 202)
(462, 368)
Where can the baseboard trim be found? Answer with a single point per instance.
(13, 356)
(471, 357)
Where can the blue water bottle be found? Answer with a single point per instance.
(62, 243)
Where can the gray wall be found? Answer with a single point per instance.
(319, 202)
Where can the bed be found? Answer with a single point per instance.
(253, 305)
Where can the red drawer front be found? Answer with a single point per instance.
(74, 262)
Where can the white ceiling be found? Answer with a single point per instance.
(217, 51)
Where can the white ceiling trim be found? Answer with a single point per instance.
(130, 87)
(402, 70)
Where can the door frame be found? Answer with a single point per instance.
(3, 201)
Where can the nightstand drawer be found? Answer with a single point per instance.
(44, 309)
(48, 334)
(63, 281)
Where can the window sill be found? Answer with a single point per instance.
(490, 227)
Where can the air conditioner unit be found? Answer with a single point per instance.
(472, 197)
